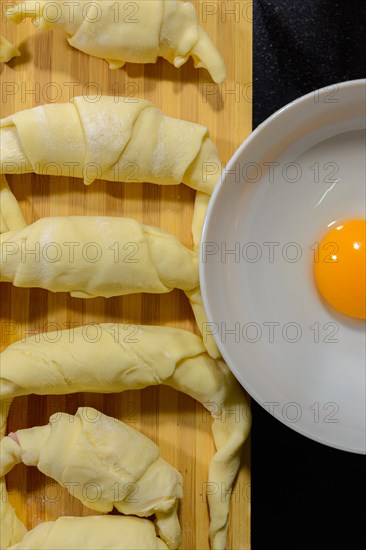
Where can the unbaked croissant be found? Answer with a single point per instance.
(132, 357)
(110, 138)
(91, 453)
(91, 256)
(122, 31)
(89, 533)
(7, 50)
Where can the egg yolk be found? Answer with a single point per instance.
(340, 268)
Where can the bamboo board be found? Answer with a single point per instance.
(49, 70)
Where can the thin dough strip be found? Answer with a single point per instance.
(106, 138)
(134, 357)
(199, 213)
(121, 31)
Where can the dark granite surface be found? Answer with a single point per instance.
(305, 496)
(303, 45)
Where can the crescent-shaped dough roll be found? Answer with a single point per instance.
(89, 533)
(121, 31)
(111, 138)
(91, 256)
(94, 454)
(7, 50)
(132, 357)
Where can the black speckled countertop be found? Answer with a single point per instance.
(303, 45)
(305, 496)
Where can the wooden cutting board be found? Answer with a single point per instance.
(49, 70)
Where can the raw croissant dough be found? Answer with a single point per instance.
(122, 31)
(91, 256)
(110, 138)
(7, 50)
(96, 256)
(92, 532)
(92, 449)
(133, 357)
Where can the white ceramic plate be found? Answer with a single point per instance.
(299, 171)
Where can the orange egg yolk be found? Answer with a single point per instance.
(340, 268)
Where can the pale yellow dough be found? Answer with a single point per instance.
(7, 50)
(94, 454)
(91, 533)
(90, 256)
(111, 138)
(121, 31)
(11, 217)
(133, 357)
(199, 214)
